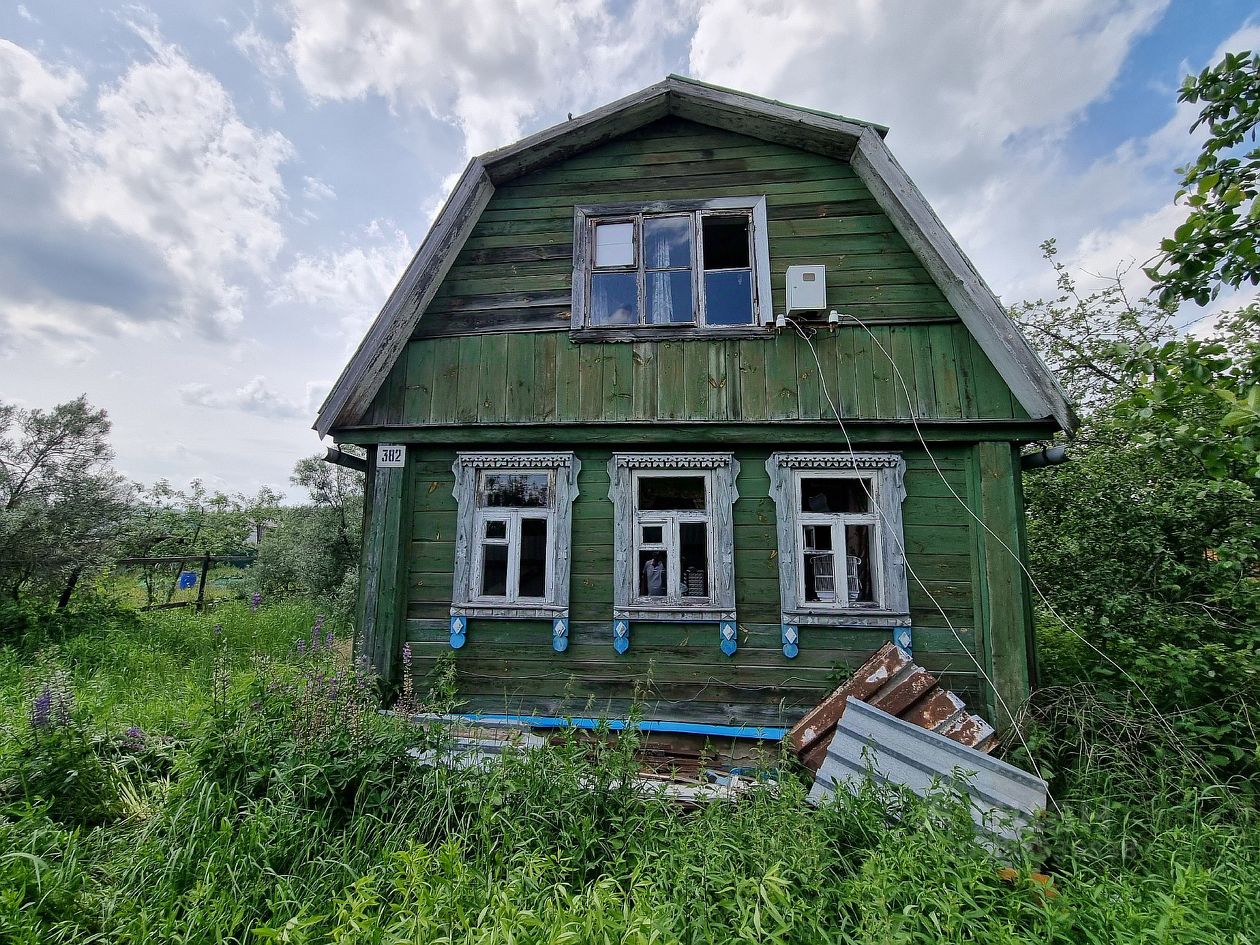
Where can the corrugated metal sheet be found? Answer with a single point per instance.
(869, 742)
(891, 681)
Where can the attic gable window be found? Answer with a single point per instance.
(669, 269)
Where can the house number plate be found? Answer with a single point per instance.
(390, 456)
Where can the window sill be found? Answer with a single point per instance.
(509, 611)
(850, 618)
(644, 333)
(675, 614)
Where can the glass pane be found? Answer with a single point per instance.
(667, 242)
(671, 493)
(857, 540)
(836, 495)
(728, 298)
(668, 297)
(515, 490)
(819, 564)
(533, 576)
(495, 529)
(614, 298)
(652, 570)
(693, 559)
(494, 564)
(614, 244)
(726, 243)
(652, 534)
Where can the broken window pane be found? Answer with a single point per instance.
(515, 490)
(653, 568)
(494, 568)
(669, 297)
(667, 242)
(533, 571)
(728, 298)
(857, 540)
(725, 242)
(671, 493)
(614, 298)
(614, 244)
(693, 559)
(835, 494)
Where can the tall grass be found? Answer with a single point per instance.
(285, 809)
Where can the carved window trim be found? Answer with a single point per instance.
(720, 471)
(584, 218)
(887, 472)
(564, 469)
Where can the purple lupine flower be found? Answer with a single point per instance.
(315, 637)
(218, 629)
(301, 647)
(328, 639)
(407, 658)
(41, 710)
(134, 738)
(255, 602)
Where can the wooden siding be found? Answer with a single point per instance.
(677, 670)
(515, 269)
(543, 377)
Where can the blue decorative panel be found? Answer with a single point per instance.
(904, 639)
(187, 580)
(728, 633)
(560, 634)
(621, 635)
(791, 640)
(459, 630)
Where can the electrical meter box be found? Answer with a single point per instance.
(806, 289)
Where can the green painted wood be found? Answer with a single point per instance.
(492, 386)
(752, 379)
(568, 381)
(618, 382)
(466, 387)
(643, 381)
(945, 370)
(545, 366)
(383, 597)
(670, 381)
(421, 365)
(519, 396)
(781, 377)
(591, 380)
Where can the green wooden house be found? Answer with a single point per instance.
(689, 404)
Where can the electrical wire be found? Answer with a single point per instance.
(905, 557)
(1014, 556)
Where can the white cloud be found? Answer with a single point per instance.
(254, 396)
(351, 283)
(486, 66)
(315, 189)
(151, 203)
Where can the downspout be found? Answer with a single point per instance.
(338, 458)
(1047, 456)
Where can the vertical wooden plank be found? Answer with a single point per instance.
(492, 389)
(519, 401)
(846, 371)
(864, 354)
(781, 380)
(1004, 579)
(384, 570)
(568, 380)
(924, 387)
(618, 382)
(903, 378)
(727, 389)
(468, 388)
(752, 379)
(545, 375)
(695, 358)
(882, 371)
(643, 380)
(828, 345)
(809, 403)
(669, 380)
(418, 399)
(944, 371)
(993, 397)
(966, 375)
(591, 392)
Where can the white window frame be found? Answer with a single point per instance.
(752, 208)
(886, 474)
(467, 599)
(719, 471)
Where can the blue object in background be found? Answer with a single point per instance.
(187, 579)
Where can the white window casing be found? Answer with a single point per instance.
(482, 527)
(665, 590)
(822, 583)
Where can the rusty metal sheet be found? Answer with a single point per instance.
(891, 682)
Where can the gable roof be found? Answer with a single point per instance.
(859, 143)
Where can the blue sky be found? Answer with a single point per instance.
(202, 206)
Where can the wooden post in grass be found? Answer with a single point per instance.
(201, 587)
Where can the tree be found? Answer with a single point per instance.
(61, 503)
(1219, 242)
